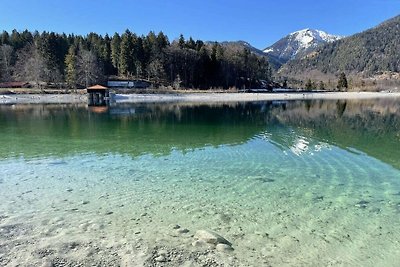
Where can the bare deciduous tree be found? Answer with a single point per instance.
(31, 66)
(6, 52)
(88, 68)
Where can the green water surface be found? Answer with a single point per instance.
(288, 183)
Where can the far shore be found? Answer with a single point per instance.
(206, 97)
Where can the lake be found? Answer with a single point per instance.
(287, 183)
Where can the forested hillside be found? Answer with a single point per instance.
(364, 55)
(71, 61)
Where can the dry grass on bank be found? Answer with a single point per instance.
(35, 91)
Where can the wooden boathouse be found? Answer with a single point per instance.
(98, 95)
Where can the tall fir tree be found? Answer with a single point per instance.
(115, 51)
(126, 64)
(70, 67)
(309, 85)
(342, 82)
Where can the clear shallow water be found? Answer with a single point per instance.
(288, 183)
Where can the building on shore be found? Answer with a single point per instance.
(128, 84)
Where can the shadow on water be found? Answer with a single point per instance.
(369, 126)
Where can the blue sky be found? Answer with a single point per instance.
(261, 23)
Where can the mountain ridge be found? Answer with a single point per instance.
(299, 44)
(372, 52)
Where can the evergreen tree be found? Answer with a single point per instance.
(126, 64)
(105, 55)
(321, 85)
(5, 38)
(309, 85)
(162, 41)
(181, 41)
(115, 50)
(191, 44)
(342, 82)
(70, 67)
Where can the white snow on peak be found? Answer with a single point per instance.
(309, 37)
(269, 50)
(300, 42)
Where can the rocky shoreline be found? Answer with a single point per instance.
(194, 97)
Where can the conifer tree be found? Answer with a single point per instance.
(115, 50)
(309, 85)
(70, 67)
(181, 41)
(342, 82)
(125, 66)
(321, 85)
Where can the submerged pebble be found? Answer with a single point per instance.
(266, 180)
(318, 198)
(211, 237)
(362, 204)
(182, 231)
(160, 258)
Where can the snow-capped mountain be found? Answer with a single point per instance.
(299, 44)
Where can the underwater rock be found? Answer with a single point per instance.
(160, 258)
(318, 198)
(362, 204)
(182, 231)
(58, 162)
(211, 237)
(265, 180)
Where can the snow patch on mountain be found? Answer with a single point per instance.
(308, 38)
(300, 43)
(268, 50)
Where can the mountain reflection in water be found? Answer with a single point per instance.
(368, 126)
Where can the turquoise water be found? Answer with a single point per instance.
(313, 183)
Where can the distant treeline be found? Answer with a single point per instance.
(77, 61)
